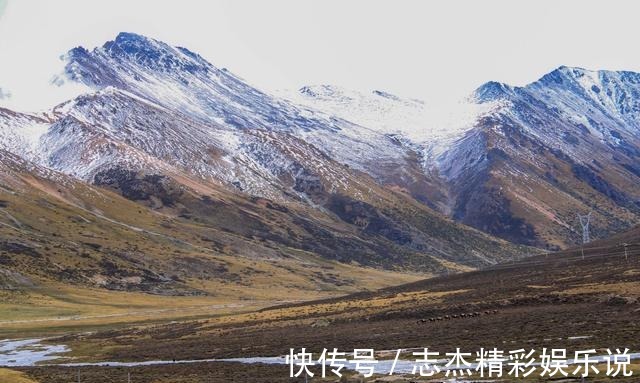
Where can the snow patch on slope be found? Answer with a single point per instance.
(390, 114)
(20, 133)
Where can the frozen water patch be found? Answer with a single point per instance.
(27, 352)
(381, 367)
(579, 337)
(31, 352)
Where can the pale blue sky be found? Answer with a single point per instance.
(427, 49)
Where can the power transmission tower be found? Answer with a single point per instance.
(584, 222)
(626, 254)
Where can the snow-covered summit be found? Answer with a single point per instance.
(176, 78)
(153, 107)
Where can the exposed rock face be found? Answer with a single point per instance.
(563, 145)
(162, 120)
(222, 164)
(528, 160)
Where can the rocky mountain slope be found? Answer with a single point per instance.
(58, 233)
(345, 176)
(529, 159)
(236, 171)
(226, 112)
(568, 143)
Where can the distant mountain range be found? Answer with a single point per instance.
(358, 178)
(526, 160)
(568, 143)
(217, 169)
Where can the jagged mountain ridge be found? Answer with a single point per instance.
(119, 63)
(286, 176)
(566, 144)
(532, 157)
(516, 170)
(184, 83)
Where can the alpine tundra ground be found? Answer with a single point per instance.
(560, 300)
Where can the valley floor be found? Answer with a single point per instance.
(561, 300)
(49, 308)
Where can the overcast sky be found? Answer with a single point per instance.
(425, 49)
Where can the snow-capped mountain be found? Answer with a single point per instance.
(568, 143)
(167, 129)
(523, 161)
(182, 81)
(565, 144)
(516, 162)
(227, 109)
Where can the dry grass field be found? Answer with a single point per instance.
(54, 308)
(555, 300)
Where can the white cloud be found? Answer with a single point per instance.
(4, 94)
(429, 49)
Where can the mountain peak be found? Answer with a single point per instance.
(130, 37)
(491, 91)
(562, 74)
(558, 75)
(134, 44)
(141, 51)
